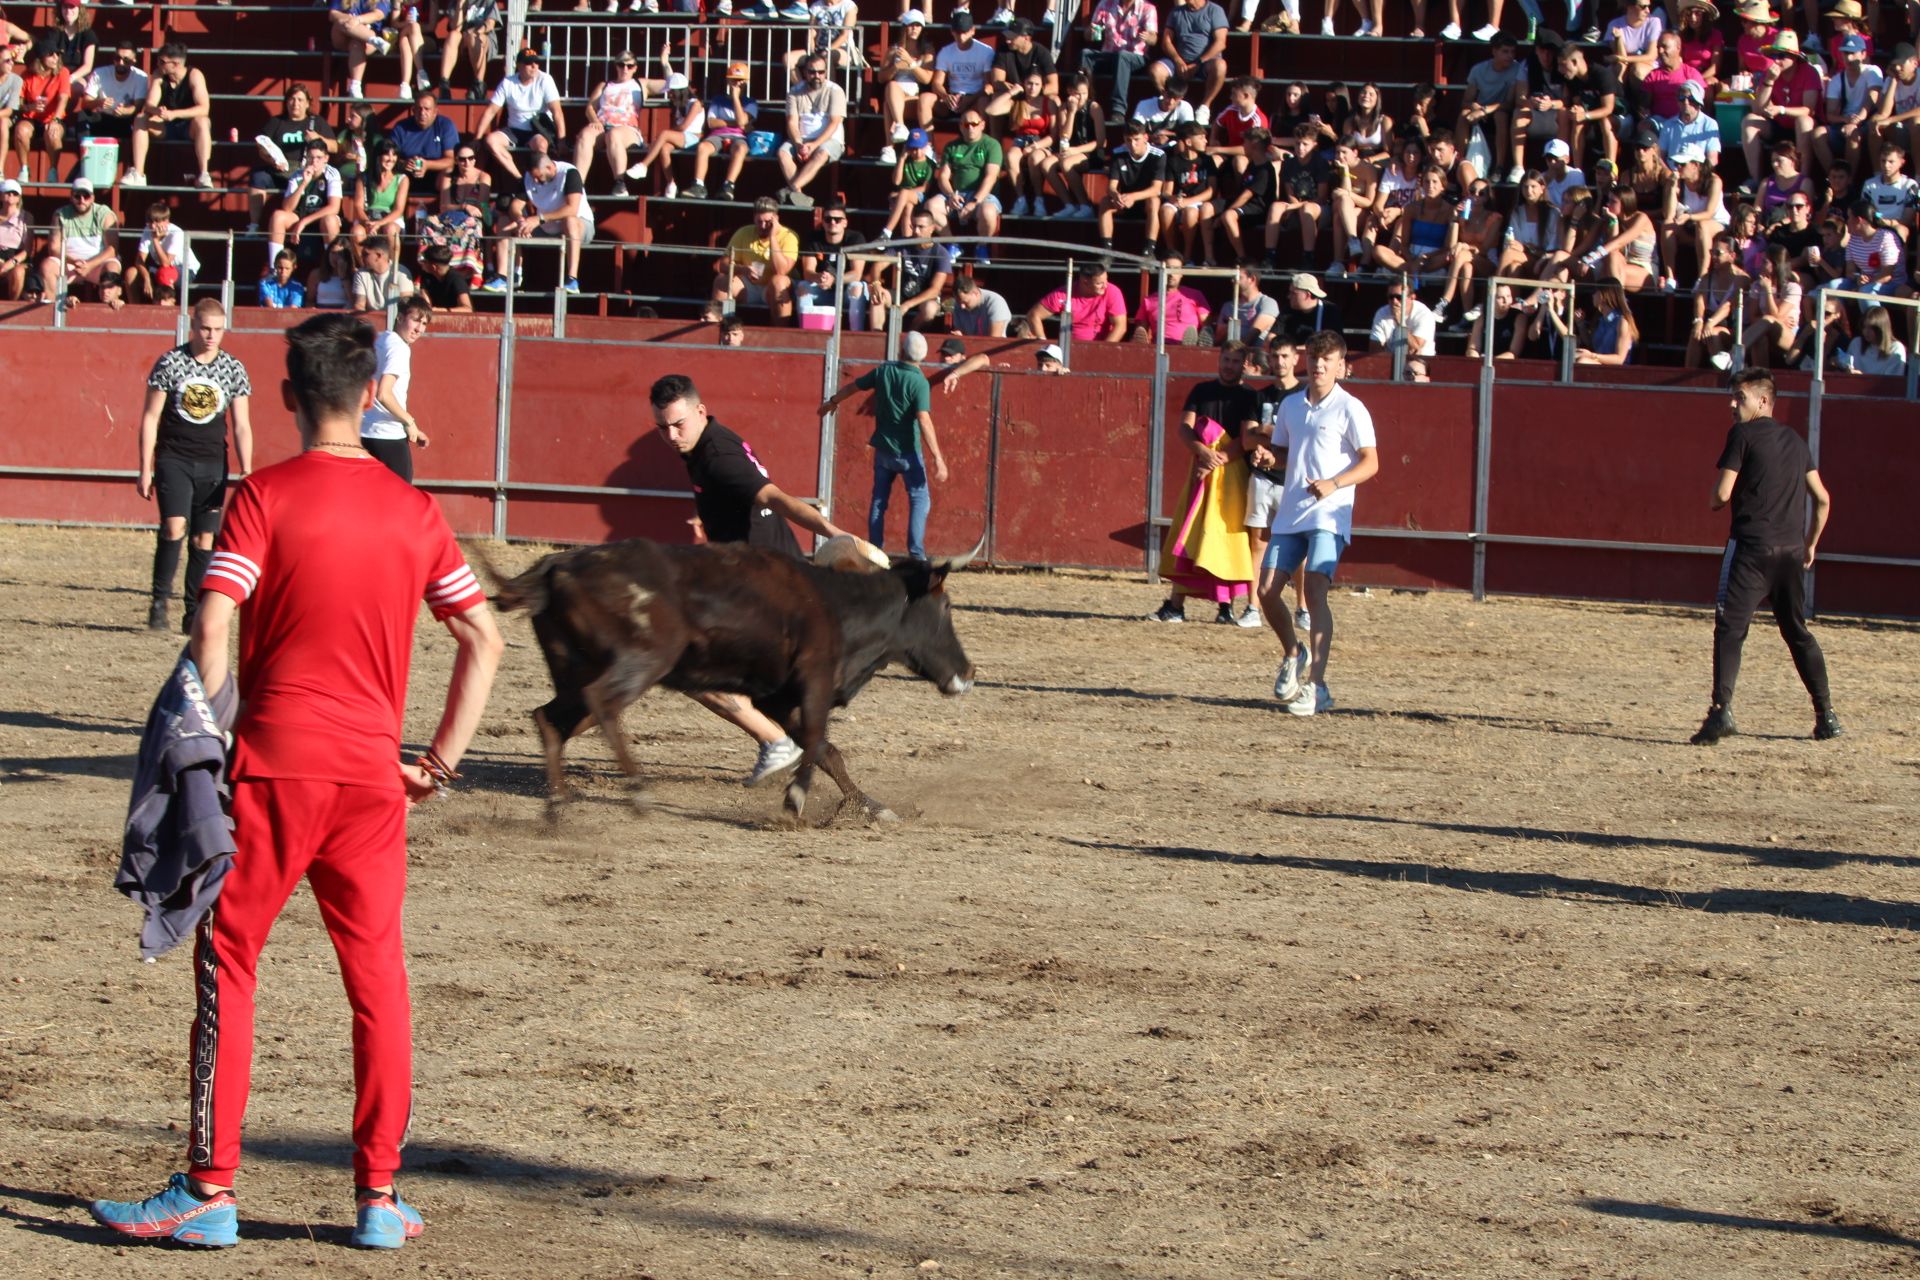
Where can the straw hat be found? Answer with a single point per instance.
(1754, 11)
(1785, 45)
(1848, 9)
(1713, 10)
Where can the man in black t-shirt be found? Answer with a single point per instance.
(1206, 546)
(1767, 474)
(1138, 178)
(183, 451)
(1590, 100)
(1306, 174)
(832, 235)
(735, 501)
(445, 288)
(1018, 58)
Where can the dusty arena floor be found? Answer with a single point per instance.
(1486, 973)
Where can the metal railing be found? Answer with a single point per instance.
(580, 48)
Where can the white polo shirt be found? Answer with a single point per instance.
(1322, 441)
(395, 357)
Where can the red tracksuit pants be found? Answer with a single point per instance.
(350, 842)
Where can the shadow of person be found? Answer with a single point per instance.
(651, 471)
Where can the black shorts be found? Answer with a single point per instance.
(396, 454)
(119, 128)
(191, 489)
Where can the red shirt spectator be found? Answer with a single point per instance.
(44, 94)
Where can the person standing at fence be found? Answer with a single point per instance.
(327, 558)
(1767, 475)
(1330, 451)
(734, 500)
(183, 451)
(1206, 545)
(387, 428)
(903, 440)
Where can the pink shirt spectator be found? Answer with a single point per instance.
(1131, 26)
(1791, 89)
(1752, 51)
(1091, 316)
(1703, 55)
(1186, 310)
(1663, 88)
(13, 234)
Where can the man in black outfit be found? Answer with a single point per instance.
(183, 452)
(735, 502)
(1765, 471)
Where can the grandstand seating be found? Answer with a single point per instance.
(249, 53)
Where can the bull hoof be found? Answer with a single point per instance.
(880, 814)
(642, 802)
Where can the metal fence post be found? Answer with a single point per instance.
(1402, 335)
(1156, 451)
(1066, 321)
(1483, 446)
(1737, 358)
(1568, 340)
(830, 383)
(503, 420)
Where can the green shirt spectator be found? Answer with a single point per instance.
(967, 161)
(900, 395)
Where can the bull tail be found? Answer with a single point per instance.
(528, 591)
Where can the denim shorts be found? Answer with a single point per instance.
(1320, 548)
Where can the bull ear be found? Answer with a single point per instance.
(937, 578)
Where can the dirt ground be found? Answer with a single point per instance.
(1484, 973)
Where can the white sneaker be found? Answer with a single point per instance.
(1326, 26)
(673, 190)
(378, 46)
(889, 156)
(1439, 313)
(724, 8)
(1020, 208)
(273, 152)
(1203, 115)
(637, 170)
(133, 178)
(1450, 32)
(1003, 16)
(1250, 618)
(353, 91)
(404, 93)
(1303, 622)
(899, 135)
(1487, 32)
(1286, 685)
(775, 759)
(1304, 702)
(1721, 360)
(1515, 174)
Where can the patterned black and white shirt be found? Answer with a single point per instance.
(193, 425)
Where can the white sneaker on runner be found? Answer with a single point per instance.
(1305, 702)
(1303, 623)
(1286, 684)
(1250, 618)
(775, 759)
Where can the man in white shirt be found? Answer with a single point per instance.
(555, 204)
(816, 134)
(387, 426)
(1693, 127)
(113, 96)
(533, 118)
(1895, 197)
(1330, 450)
(961, 70)
(1405, 321)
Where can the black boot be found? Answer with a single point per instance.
(1718, 724)
(166, 565)
(198, 558)
(1826, 726)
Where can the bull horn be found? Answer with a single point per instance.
(953, 564)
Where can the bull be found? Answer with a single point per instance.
(797, 640)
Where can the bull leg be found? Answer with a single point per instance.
(794, 811)
(808, 725)
(610, 695)
(553, 741)
(836, 766)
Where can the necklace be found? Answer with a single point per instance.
(335, 444)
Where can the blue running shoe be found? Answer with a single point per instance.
(175, 1214)
(494, 284)
(385, 1221)
(573, 285)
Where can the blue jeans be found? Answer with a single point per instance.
(886, 465)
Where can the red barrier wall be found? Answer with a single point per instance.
(1587, 462)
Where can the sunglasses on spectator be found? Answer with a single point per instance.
(1798, 204)
(467, 156)
(973, 124)
(836, 217)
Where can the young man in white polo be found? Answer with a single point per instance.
(1330, 450)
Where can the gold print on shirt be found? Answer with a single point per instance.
(200, 401)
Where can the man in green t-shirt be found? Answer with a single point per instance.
(903, 426)
(969, 168)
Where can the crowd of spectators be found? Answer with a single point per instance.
(1593, 158)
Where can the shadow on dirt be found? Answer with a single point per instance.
(1842, 1226)
(1822, 908)
(1773, 855)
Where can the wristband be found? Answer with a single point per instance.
(437, 769)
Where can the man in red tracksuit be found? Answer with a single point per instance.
(327, 557)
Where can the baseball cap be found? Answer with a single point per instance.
(83, 184)
(1049, 352)
(527, 55)
(676, 81)
(962, 21)
(1020, 27)
(1693, 89)
(1903, 53)
(912, 18)
(1305, 282)
(953, 347)
(1853, 44)
(736, 71)
(1690, 154)
(168, 276)
(916, 138)
(10, 186)
(1645, 136)
(1558, 148)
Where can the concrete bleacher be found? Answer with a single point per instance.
(250, 53)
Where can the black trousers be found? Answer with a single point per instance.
(397, 454)
(1748, 575)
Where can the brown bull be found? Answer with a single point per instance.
(798, 641)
